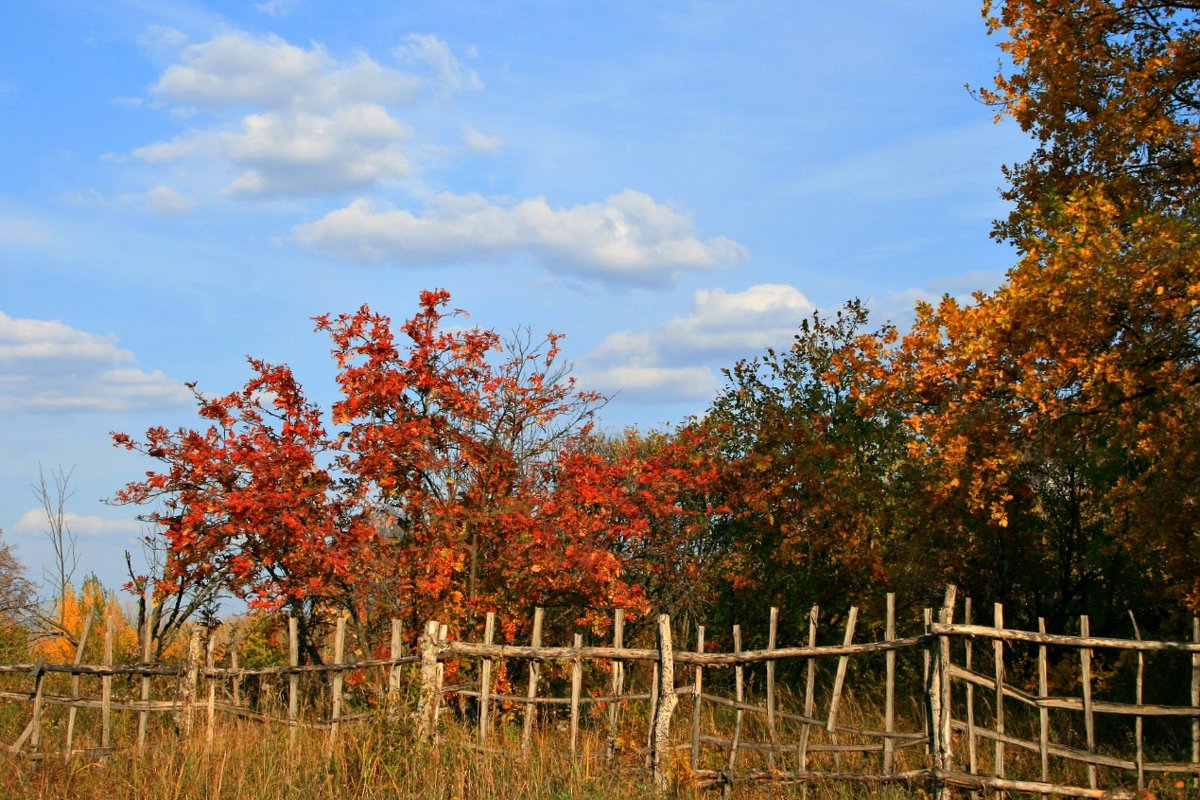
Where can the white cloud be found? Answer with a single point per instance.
(289, 152)
(679, 358)
(628, 237)
(48, 366)
(168, 201)
(286, 120)
(428, 49)
(34, 522)
(478, 142)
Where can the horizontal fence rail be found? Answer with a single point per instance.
(953, 706)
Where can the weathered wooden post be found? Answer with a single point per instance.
(396, 652)
(937, 694)
(667, 700)
(431, 692)
(191, 681)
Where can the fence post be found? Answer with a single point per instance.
(431, 694)
(191, 681)
(396, 651)
(666, 702)
(938, 698)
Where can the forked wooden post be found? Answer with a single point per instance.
(431, 692)
(535, 672)
(939, 717)
(667, 699)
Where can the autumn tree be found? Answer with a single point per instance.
(1063, 405)
(457, 477)
(248, 507)
(825, 504)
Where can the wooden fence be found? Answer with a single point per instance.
(953, 705)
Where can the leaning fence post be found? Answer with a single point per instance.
(83, 637)
(666, 702)
(431, 695)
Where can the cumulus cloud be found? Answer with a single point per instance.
(47, 366)
(34, 522)
(628, 237)
(289, 120)
(679, 359)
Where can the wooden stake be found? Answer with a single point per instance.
(431, 691)
(396, 651)
(35, 724)
(212, 694)
(1089, 722)
(889, 689)
(143, 716)
(485, 679)
(772, 628)
(535, 671)
(839, 679)
(576, 690)
(83, 637)
(809, 692)
(293, 681)
(1140, 758)
(667, 699)
(191, 681)
(740, 694)
(698, 689)
(237, 681)
(106, 687)
(618, 683)
(1043, 712)
(339, 679)
(969, 655)
(998, 671)
(1196, 699)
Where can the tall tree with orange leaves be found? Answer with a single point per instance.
(1064, 405)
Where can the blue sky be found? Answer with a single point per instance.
(673, 185)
